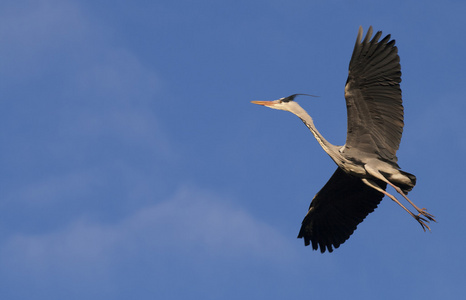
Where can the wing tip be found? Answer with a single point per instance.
(317, 244)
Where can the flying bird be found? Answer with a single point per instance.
(367, 162)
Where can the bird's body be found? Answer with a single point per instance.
(367, 162)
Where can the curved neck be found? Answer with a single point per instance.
(331, 149)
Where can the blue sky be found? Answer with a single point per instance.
(134, 166)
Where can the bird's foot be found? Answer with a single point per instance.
(423, 222)
(424, 213)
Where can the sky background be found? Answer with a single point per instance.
(133, 166)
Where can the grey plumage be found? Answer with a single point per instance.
(367, 163)
(375, 124)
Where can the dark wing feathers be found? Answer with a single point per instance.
(373, 98)
(375, 126)
(337, 209)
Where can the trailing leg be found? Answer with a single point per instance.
(418, 218)
(421, 211)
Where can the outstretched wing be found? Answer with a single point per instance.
(373, 98)
(337, 209)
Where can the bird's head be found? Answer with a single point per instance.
(286, 103)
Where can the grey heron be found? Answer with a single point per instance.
(367, 162)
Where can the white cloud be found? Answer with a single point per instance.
(193, 224)
(33, 30)
(49, 190)
(87, 85)
(69, 78)
(205, 219)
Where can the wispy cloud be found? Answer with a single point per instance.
(35, 30)
(195, 222)
(79, 109)
(85, 84)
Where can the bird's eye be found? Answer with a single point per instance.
(284, 100)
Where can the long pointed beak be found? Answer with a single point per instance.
(265, 103)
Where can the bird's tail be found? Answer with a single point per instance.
(408, 186)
